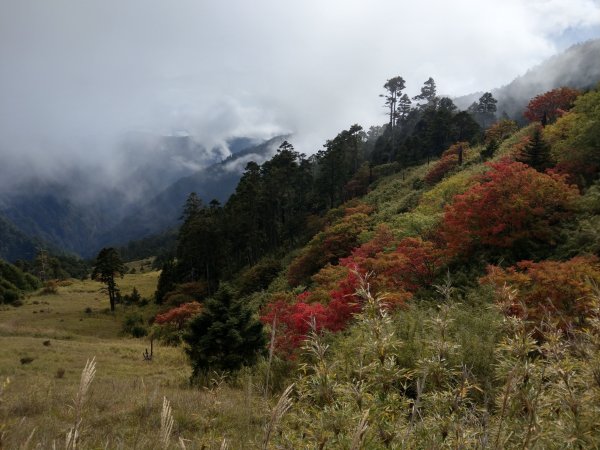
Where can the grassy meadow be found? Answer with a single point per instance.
(45, 345)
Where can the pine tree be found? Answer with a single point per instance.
(536, 153)
(404, 107)
(486, 110)
(166, 281)
(394, 87)
(107, 266)
(225, 336)
(428, 93)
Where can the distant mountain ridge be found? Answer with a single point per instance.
(14, 244)
(215, 182)
(577, 67)
(45, 213)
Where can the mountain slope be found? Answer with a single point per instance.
(215, 182)
(14, 244)
(578, 67)
(75, 215)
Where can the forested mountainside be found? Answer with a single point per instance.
(14, 244)
(423, 304)
(163, 211)
(14, 283)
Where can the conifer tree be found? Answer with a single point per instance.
(536, 153)
(225, 336)
(394, 87)
(490, 149)
(404, 107)
(107, 266)
(166, 281)
(428, 93)
(486, 110)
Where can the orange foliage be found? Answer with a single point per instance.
(451, 158)
(552, 104)
(549, 289)
(441, 168)
(398, 268)
(511, 204)
(455, 149)
(179, 315)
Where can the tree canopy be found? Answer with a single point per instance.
(107, 266)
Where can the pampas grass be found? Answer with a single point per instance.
(283, 405)
(87, 376)
(166, 423)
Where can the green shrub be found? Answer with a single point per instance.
(259, 276)
(133, 324)
(225, 337)
(9, 297)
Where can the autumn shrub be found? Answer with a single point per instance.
(558, 291)
(295, 317)
(450, 159)
(547, 107)
(328, 246)
(292, 321)
(326, 280)
(500, 131)
(512, 210)
(441, 168)
(179, 315)
(399, 268)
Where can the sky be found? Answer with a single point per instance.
(76, 75)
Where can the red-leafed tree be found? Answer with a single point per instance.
(512, 206)
(441, 168)
(398, 268)
(180, 315)
(548, 290)
(451, 158)
(547, 107)
(293, 320)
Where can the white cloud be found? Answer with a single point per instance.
(78, 73)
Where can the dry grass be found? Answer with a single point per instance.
(123, 405)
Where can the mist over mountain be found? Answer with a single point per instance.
(139, 190)
(79, 213)
(217, 182)
(578, 67)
